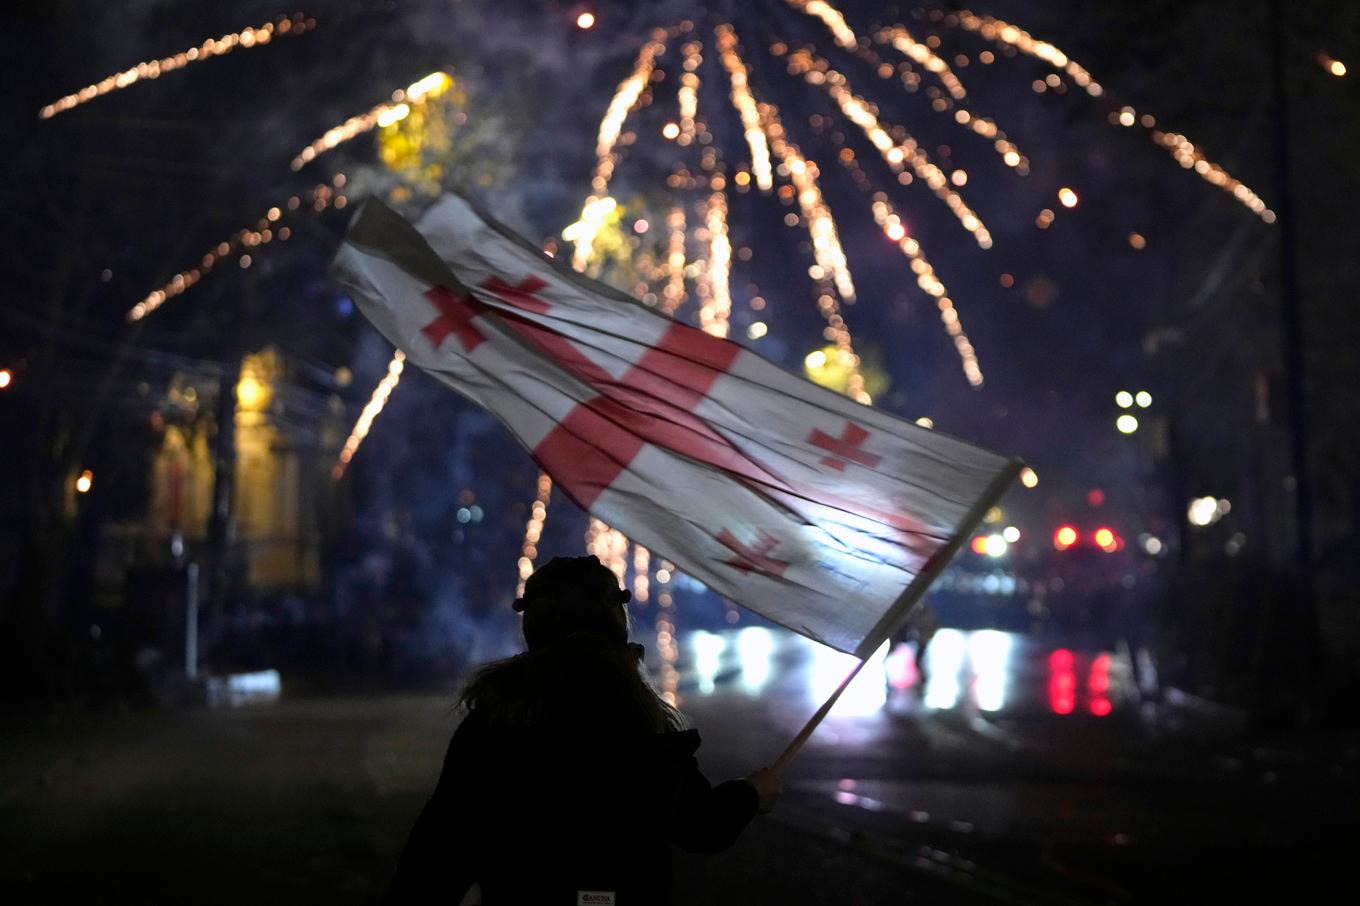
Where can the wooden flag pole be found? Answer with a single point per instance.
(816, 719)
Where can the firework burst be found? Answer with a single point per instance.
(696, 241)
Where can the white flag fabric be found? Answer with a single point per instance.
(824, 515)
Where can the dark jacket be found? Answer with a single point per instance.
(537, 819)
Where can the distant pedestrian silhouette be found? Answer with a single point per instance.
(569, 779)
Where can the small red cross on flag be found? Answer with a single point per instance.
(844, 449)
(521, 295)
(457, 311)
(455, 317)
(691, 445)
(756, 557)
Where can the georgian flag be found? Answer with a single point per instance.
(822, 514)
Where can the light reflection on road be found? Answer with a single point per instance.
(983, 670)
(708, 648)
(755, 648)
(944, 662)
(989, 653)
(866, 695)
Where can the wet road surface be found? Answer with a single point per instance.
(1019, 771)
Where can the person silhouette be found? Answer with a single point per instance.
(569, 778)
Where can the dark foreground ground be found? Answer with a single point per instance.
(1002, 779)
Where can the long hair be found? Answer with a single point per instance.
(579, 672)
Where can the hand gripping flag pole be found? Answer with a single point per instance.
(824, 515)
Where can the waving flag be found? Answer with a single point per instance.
(824, 515)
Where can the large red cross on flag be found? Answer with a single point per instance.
(822, 514)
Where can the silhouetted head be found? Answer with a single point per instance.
(580, 674)
(573, 596)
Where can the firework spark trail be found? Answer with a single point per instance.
(609, 545)
(431, 86)
(815, 71)
(642, 565)
(1187, 155)
(746, 108)
(212, 47)
(832, 18)
(374, 406)
(891, 224)
(826, 247)
(1001, 32)
(533, 531)
(826, 243)
(1181, 148)
(896, 231)
(673, 296)
(666, 649)
(594, 528)
(717, 308)
(625, 98)
(902, 41)
(982, 126)
(265, 230)
(688, 94)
